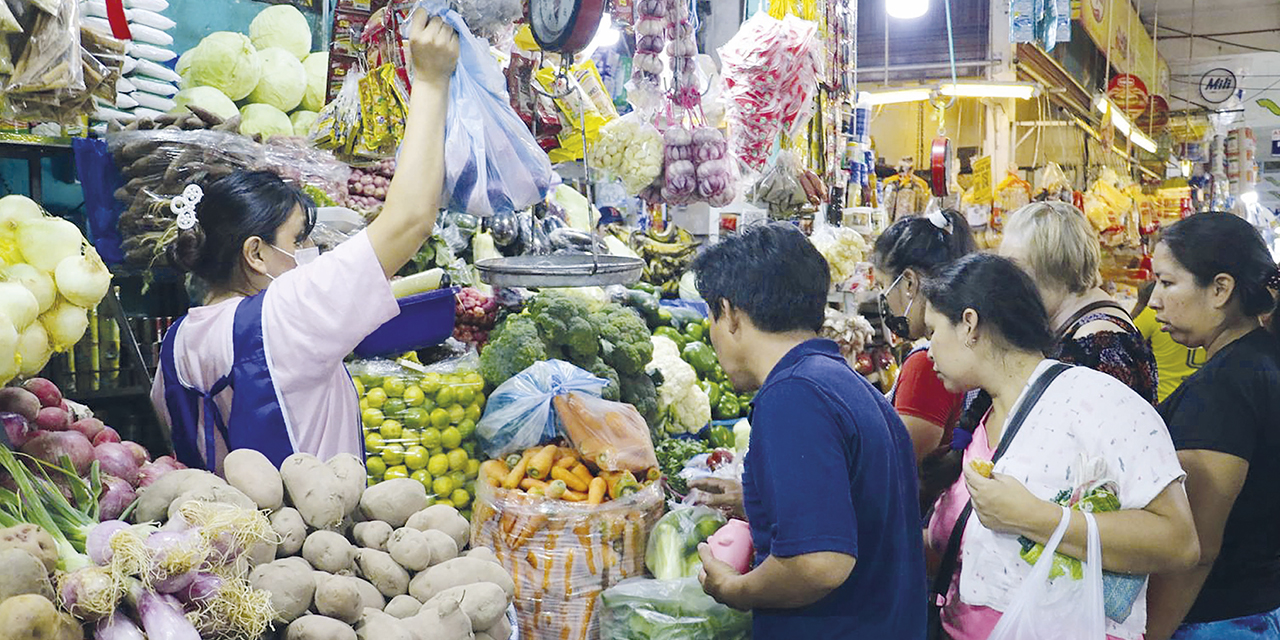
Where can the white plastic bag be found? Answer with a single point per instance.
(1027, 617)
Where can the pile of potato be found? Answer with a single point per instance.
(351, 562)
(28, 558)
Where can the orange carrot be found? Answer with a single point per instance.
(494, 470)
(528, 484)
(570, 480)
(583, 472)
(565, 462)
(595, 494)
(540, 463)
(573, 496)
(516, 474)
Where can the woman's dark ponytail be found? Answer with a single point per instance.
(923, 244)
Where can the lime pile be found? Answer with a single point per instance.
(423, 426)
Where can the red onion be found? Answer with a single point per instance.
(117, 626)
(98, 542)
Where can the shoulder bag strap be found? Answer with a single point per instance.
(1065, 329)
(942, 582)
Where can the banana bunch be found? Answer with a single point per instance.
(667, 255)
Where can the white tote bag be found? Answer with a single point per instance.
(1027, 618)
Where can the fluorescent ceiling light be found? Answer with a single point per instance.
(1123, 125)
(906, 9)
(1021, 91)
(1249, 197)
(895, 96)
(606, 36)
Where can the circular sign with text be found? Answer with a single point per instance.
(1217, 85)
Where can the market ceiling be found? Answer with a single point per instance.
(1200, 28)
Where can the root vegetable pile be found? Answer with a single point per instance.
(475, 315)
(368, 186)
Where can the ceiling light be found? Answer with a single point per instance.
(606, 36)
(1249, 197)
(895, 96)
(1020, 91)
(1123, 125)
(906, 9)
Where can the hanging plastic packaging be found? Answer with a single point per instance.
(492, 162)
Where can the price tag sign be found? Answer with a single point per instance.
(1275, 142)
(982, 180)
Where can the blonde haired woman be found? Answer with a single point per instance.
(1056, 245)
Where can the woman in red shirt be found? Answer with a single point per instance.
(909, 251)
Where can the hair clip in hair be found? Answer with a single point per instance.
(184, 206)
(939, 220)
(1273, 282)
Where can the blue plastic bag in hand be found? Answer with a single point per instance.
(492, 163)
(519, 415)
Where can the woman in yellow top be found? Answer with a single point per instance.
(1174, 362)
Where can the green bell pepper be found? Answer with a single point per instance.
(676, 336)
(718, 373)
(701, 357)
(664, 317)
(727, 408)
(712, 389)
(695, 331)
(645, 287)
(721, 437)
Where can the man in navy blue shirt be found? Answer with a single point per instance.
(829, 486)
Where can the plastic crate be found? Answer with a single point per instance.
(426, 319)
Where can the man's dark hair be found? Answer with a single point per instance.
(771, 272)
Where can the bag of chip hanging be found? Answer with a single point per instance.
(492, 162)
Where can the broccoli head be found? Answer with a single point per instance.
(563, 320)
(625, 339)
(512, 347)
(599, 369)
(640, 392)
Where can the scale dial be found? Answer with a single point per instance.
(566, 26)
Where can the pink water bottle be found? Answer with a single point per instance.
(732, 545)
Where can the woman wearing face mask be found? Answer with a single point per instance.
(1051, 430)
(1215, 281)
(1056, 245)
(259, 365)
(909, 251)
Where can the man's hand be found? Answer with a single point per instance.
(434, 48)
(1002, 503)
(719, 579)
(719, 493)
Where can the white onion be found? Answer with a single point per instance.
(39, 283)
(33, 349)
(8, 350)
(15, 209)
(65, 323)
(19, 304)
(83, 279)
(47, 241)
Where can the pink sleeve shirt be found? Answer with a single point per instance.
(312, 317)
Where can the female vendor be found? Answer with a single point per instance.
(260, 364)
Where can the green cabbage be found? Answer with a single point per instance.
(282, 26)
(207, 98)
(183, 65)
(303, 121)
(283, 80)
(227, 62)
(264, 119)
(317, 67)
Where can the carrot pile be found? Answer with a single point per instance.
(565, 533)
(560, 473)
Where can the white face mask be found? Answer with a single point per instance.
(302, 256)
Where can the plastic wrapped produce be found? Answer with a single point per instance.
(643, 609)
(564, 555)
(631, 149)
(770, 75)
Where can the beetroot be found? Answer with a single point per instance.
(106, 435)
(20, 401)
(53, 419)
(90, 427)
(50, 446)
(117, 495)
(117, 460)
(17, 428)
(140, 454)
(45, 390)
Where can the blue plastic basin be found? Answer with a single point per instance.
(425, 320)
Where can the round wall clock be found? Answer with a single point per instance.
(566, 26)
